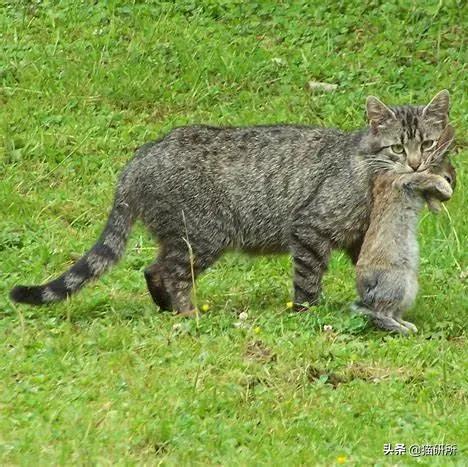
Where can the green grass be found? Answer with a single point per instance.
(107, 379)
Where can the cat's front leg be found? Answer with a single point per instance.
(310, 249)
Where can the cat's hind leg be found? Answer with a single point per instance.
(156, 286)
(171, 277)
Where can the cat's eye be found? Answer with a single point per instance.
(428, 144)
(398, 148)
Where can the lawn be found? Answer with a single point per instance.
(106, 378)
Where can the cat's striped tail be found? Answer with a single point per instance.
(106, 251)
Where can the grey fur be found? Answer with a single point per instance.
(387, 269)
(284, 188)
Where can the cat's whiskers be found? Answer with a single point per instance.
(379, 164)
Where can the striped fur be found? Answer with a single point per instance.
(106, 251)
(204, 190)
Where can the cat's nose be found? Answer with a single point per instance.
(414, 164)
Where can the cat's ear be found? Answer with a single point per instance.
(378, 113)
(438, 109)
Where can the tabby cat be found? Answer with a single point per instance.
(283, 188)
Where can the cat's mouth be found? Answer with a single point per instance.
(406, 169)
(401, 170)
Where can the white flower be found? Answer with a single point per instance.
(243, 316)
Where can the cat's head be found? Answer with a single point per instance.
(404, 139)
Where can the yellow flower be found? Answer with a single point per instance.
(257, 330)
(289, 304)
(205, 307)
(341, 459)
